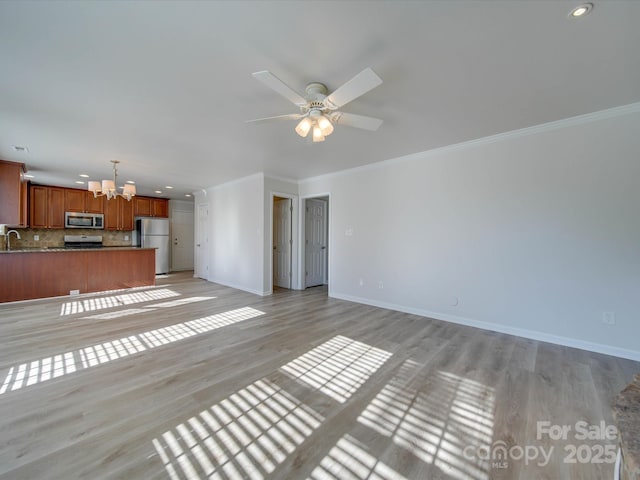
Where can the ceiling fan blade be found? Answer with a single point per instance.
(273, 82)
(359, 85)
(289, 116)
(357, 121)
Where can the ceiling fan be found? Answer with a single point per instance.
(318, 110)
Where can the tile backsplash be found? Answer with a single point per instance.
(54, 237)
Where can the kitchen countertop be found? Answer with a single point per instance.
(62, 249)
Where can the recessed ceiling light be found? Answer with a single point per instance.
(20, 148)
(79, 182)
(187, 195)
(168, 186)
(26, 175)
(158, 191)
(581, 10)
(83, 175)
(131, 182)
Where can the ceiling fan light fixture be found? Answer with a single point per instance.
(304, 127)
(318, 111)
(317, 134)
(325, 125)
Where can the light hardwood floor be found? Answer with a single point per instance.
(194, 380)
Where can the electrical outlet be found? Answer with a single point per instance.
(74, 292)
(361, 282)
(380, 284)
(36, 238)
(348, 232)
(609, 318)
(126, 237)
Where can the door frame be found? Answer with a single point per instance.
(199, 253)
(302, 235)
(294, 244)
(180, 206)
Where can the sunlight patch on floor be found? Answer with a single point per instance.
(438, 422)
(244, 436)
(134, 311)
(100, 303)
(38, 371)
(350, 460)
(250, 433)
(337, 367)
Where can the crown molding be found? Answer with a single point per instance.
(522, 132)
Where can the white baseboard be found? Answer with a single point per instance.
(496, 327)
(238, 287)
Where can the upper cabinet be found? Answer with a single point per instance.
(159, 207)
(74, 200)
(150, 207)
(93, 204)
(13, 194)
(46, 207)
(82, 201)
(118, 214)
(142, 206)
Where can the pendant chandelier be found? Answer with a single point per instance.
(108, 188)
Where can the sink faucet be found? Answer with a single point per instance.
(8, 234)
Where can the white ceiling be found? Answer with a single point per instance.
(165, 87)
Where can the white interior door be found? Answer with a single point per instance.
(315, 257)
(181, 240)
(282, 241)
(202, 243)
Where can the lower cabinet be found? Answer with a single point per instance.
(85, 271)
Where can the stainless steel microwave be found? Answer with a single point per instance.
(84, 220)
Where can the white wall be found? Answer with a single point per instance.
(534, 232)
(236, 233)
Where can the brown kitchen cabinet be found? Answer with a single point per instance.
(93, 204)
(46, 209)
(118, 214)
(125, 212)
(74, 200)
(74, 270)
(159, 207)
(13, 194)
(82, 201)
(142, 206)
(151, 207)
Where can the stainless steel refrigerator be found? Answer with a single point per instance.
(154, 233)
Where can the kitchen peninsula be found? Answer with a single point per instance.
(40, 273)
